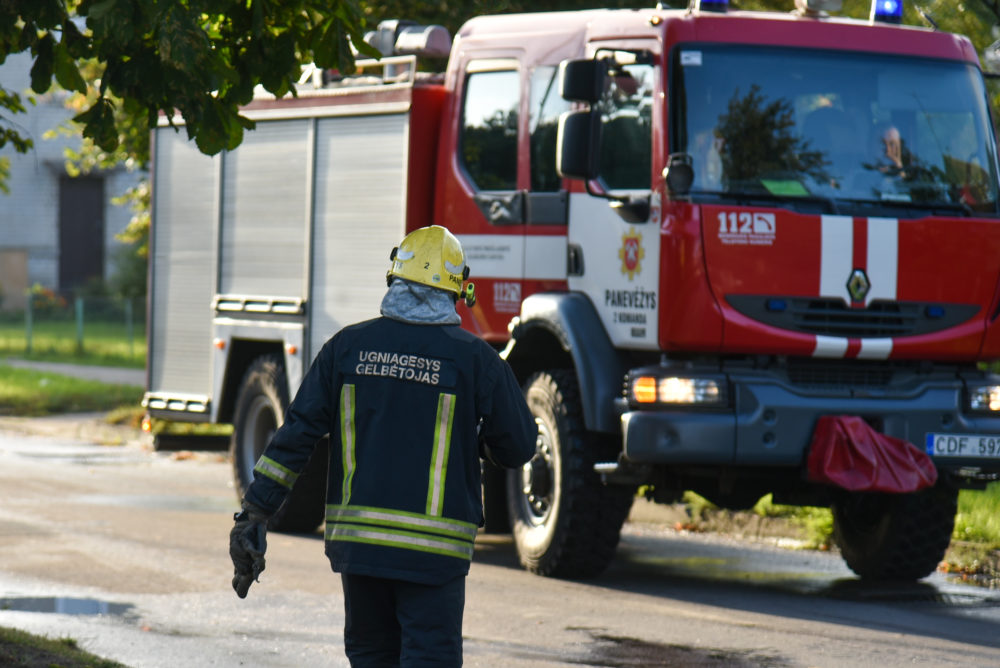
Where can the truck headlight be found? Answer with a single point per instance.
(646, 389)
(984, 398)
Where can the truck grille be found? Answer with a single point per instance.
(838, 374)
(833, 317)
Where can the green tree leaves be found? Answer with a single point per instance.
(200, 59)
(99, 124)
(66, 70)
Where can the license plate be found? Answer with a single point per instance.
(964, 445)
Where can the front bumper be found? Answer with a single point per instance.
(768, 422)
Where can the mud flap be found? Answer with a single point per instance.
(847, 452)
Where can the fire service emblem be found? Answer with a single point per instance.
(631, 253)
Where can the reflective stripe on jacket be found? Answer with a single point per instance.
(401, 403)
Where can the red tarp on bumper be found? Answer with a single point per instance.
(845, 451)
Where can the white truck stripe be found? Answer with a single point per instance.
(875, 349)
(830, 346)
(836, 256)
(836, 265)
(883, 258)
(515, 257)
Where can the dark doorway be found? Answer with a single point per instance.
(81, 231)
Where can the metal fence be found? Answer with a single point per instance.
(102, 329)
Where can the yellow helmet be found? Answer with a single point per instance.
(432, 256)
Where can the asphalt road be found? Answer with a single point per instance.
(125, 550)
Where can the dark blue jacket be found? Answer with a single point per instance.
(401, 403)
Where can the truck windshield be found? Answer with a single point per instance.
(831, 126)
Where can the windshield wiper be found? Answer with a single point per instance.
(950, 207)
(832, 205)
(766, 198)
(935, 208)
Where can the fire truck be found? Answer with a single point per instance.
(737, 253)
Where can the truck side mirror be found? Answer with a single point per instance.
(578, 137)
(582, 80)
(679, 174)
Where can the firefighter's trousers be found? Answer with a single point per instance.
(397, 623)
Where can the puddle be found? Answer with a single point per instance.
(611, 651)
(606, 650)
(65, 606)
(733, 569)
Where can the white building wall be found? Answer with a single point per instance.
(29, 214)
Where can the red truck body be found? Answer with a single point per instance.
(683, 261)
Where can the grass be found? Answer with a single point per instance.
(30, 393)
(21, 649)
(816, 523)
(977, 520)
(978, 517)
(975, 547)
(104, 343)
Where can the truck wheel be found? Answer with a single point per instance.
(260, 409)
(566, 523)
(895, 536)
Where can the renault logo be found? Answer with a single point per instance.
(858, 285)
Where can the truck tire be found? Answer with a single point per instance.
(260, 409)
(895, 536)
(565, 521)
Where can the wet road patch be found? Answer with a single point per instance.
(65, 606)
(910, 592)
(623, 652)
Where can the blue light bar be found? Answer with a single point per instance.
(712, 5)
(887, 11)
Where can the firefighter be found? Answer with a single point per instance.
(410, 401)
(894, 153)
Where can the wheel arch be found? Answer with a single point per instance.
(563, 330)
(242, 353)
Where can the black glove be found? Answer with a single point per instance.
(247, 544)
(484, 450)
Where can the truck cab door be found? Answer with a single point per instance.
(509, 213)
(614, 213)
